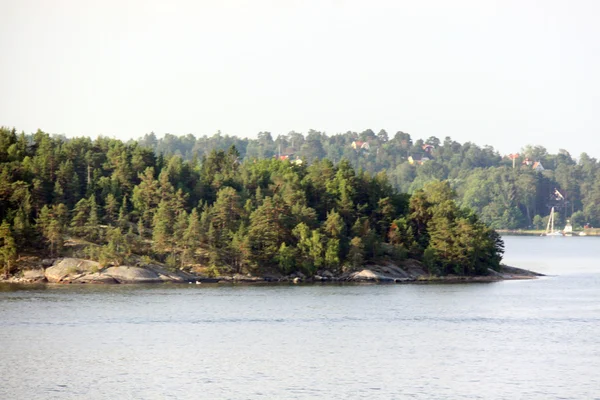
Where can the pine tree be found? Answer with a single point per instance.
(52, 223)
(356, 254)
(8, 248)
(286, 258)
(123, 220)
(118, 247)
(80, 216)
(92, 228)
(111, 208)
(180, 227)
(332, 254)
(192, 237)
(161, 228)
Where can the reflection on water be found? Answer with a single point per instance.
(507, 340)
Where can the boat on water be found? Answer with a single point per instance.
(550, 227)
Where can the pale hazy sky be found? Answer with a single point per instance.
(505, 73)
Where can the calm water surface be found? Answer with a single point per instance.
(536, 339)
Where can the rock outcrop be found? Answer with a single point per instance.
(34, 275)
(125, 274)
(409, 270)
(70, 269)
(75, 270)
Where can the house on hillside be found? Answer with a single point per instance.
(527, 162)
(358, 145)
(535, 165)
(417, 159)
(289, 157)
(428, 148)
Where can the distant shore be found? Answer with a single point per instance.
(79, 271)
(540, 232)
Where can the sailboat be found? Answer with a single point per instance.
(550, 227)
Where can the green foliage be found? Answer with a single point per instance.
(356, 256)
(228, 203)
(8, 248)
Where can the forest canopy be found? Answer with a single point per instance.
(513, 191)
(122, 203)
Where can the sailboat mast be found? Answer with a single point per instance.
(549, 221)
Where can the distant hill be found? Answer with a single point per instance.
(504, 197)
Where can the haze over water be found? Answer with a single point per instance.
(516, 339)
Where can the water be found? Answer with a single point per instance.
(537, 339)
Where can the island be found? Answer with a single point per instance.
(104, 211)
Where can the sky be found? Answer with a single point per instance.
(501, 73)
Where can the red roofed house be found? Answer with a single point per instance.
(537, 166)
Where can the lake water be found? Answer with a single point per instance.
(535, 339)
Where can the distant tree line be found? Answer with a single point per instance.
(230, 211)
(486, 182)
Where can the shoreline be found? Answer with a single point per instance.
(537, 232)
(71, 271)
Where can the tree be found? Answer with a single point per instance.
(8, 248)
(161, 228)
(118, 248)
(356, 254)
(52, 223)
(286, 258)
(111, 209)
(192, 237)
(269, 227)
(80, 216)
(332, 254)
(92, 225)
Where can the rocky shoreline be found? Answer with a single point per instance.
(80, 271)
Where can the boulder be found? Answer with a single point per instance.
(246, 278)
(367, 275)
(518, 272)
(47, 262)
(171, 276)
(34, 275)
(413, 268)
(68, 269)
(125, 274)
(326, 274)
(96, 278)
(272, 278)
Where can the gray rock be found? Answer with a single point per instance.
(96, 278)
(68, 269)
(246, 278)
(47, 262)
(34, 275)
(367, 275)
(125, 274)
(518, 271)
(171, 276)
(327, 274)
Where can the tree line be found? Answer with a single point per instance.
(122, 203)
(503, 196)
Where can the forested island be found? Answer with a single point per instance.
(230, 206)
